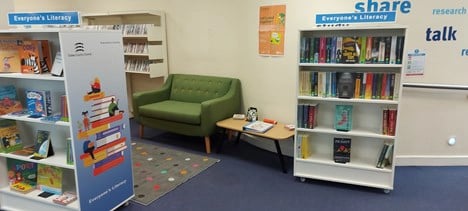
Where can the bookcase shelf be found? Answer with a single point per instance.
(321, 88)
(144, 70)
(101, 57)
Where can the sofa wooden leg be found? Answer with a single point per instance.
(207, 145)
(141, 131)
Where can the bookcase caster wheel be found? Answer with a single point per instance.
(302, 179)
(386, 191)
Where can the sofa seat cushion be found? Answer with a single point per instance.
(175, 111)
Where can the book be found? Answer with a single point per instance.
(382, 156)
(257, 126)
(43, 146)
(343, 117)
(22, 175)
(10, 136)
(385, 155)
(9, 55)
(57, 67)
(49, 178)
(29, 51)
(351, 51)
(65, 198)
(305, 149)
(45, 56)
(38, 103)
(70, 159)
(8, 100)
(26, 151)
(341, 150)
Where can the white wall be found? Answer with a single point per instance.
(7, 6)
(220, 37)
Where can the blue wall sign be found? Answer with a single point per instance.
(44, 18)
(358, 17)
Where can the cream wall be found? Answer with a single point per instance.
(7, 6)
(220, 37)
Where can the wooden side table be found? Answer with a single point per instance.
(277, 133)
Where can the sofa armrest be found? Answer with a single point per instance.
(221, 108)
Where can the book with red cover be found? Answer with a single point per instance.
(322, 54)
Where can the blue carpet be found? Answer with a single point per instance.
(249, 178)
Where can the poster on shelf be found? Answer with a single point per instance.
(101, 139)
(271, 30)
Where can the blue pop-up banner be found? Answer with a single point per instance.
(44, 18)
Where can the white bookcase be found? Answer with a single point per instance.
(145, 48)
(106, 182)
(367, 134)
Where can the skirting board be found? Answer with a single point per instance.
(431, 160)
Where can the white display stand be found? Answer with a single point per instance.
(153, 41)
(103, 183)
(367, 139)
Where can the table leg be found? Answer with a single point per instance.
(221, 140)
(280, 156)
(238, 137)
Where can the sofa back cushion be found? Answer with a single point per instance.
(198, 88)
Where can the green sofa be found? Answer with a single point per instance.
(188, 105)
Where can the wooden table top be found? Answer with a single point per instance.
(278, 132)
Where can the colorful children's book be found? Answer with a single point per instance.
(43, 146)
(49, 178)
(38, 103)
(22, 175)
(26, 151)
(9, 55)
(65, 198)
(29, 52)
(9, 135)
(8, 100)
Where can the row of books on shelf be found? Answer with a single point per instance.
(11, 142)
(38, 104)
(25, 56)
(127, 29)
(352, 49)
(137, 48)
(342, 150)
(359, 85)
(307, 117)
(25, 176)
(137, 65)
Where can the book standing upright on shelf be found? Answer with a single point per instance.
(341, 150)
(10, 56)
(49, 178)
(343, 117)
(43, 145)
(10, 137)
(29, 52)
(22, 175)
(8, 100)
(38, 103)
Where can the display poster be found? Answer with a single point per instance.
(415, 62)
(93, 68)
(271, 30)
